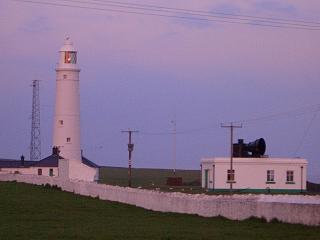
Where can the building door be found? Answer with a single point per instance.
(206, 178)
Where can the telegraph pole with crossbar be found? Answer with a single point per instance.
(231, 175)
(130, 150)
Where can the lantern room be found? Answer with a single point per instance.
(68, 55)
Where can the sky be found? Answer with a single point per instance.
(142, 72)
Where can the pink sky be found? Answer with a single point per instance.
(146, 69)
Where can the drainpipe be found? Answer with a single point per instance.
(301, 190)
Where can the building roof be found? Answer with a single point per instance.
(50, 161)
(10, 163)
(68, 46)
(263, 160)
(89, 163)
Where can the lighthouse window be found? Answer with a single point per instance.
(68, 139)
(70, 57)
(61, 122)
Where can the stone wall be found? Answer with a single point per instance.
(286, 208)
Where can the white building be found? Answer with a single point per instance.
(254, 174)
(66, 160)
(66, 130)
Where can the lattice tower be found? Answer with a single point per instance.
(35, 146)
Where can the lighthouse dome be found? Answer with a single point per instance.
(68, 56)
(68, 46)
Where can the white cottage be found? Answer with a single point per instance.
(48, 166)
(251, 174)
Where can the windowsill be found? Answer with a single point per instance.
(273, 182)
(231, 181)
(290, 183)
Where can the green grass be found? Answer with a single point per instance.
(35, 212)
(146, 177)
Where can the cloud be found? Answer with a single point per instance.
(270, 6)
(38, 24)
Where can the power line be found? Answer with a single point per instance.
(306, 132)
(282, 115)
(194, 13)
(210, 12)
(264, 23)
(272, 117)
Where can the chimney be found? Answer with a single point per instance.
(22, 160)
(55, 150)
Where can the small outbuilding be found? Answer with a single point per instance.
(254, 174)
(48, 166)
(249, 170)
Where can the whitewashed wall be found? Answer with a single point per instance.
(286, 208)
(251, 173)
(31, 170)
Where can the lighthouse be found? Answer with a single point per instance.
(66, 129)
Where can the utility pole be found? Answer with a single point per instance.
(35, 145)
(174, 123)
(130, 150)
(231, 178)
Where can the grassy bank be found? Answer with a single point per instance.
(35, 212)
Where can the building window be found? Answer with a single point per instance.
(230, 175)
(70, 57)
(289, 176)
(270, 176)
(61, 122)
(64, 76)
(39, 171)
(68, 139)
(51, 172)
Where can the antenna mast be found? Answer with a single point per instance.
(35, 145)
(174, 123)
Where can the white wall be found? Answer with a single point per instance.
(287, 208)
(252, 173)
(67, 109)
(80, 171)
(66, 169)
(31, 170)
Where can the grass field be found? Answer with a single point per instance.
(35, 212)
(146, 177)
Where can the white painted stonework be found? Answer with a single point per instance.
(31, 170)
(66, 130)
(251, 173)
(286, 208)
(66, 133)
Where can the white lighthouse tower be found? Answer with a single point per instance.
(66, 130)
